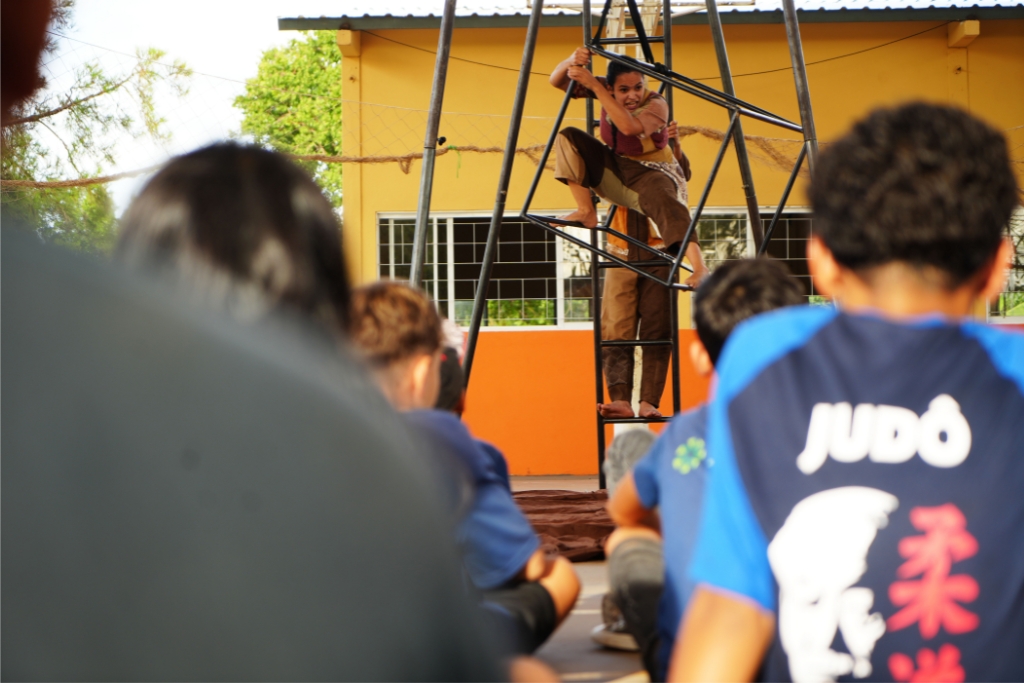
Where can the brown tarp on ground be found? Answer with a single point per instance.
(573, 523)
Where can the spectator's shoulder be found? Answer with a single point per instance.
(1005, 349)
(447, 431)
(758, 342)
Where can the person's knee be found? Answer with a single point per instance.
(636, 559)
(620, 535)
(562, 583)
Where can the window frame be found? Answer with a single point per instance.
(447, 217)
(445, 220)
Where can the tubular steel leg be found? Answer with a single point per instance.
(503, 181)
(641, 32)
(703, 197)
(595, 310)
(747, 178)
(803, 92)
(785, 197)
(444, 43)
(547, 148)
(666, 32)
(595, 272)
(592, 38)
(676, 389)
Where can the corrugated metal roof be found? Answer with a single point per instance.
(433, 8)
(479, 14)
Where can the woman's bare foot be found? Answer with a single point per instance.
(588, 219)
(647, 410)
(615, 409)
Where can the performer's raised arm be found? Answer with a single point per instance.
(559, 77)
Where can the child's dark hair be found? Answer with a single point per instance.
(737, 290)
(924, 184)
(616, 69)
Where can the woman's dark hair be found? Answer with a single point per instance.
(738, 290)
(924, 184)
(243, 230)
(616, 69)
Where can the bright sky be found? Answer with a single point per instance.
(219, 38)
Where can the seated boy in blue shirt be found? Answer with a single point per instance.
(652, 592)
(866, 493)
(398, 332)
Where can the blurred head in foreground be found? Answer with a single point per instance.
(23, 28)
(913, 197)
(398, 332)
(242, 230)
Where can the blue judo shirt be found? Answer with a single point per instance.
(868, 489)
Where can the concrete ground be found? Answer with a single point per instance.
(555, 482)
(570, 651)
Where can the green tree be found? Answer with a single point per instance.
(85, 123)
(293, 104)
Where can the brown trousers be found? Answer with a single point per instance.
(585, 160)
(630, 299)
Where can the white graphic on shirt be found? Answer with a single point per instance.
(886, 434)
(817, 556)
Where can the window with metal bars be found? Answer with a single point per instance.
(538, 279)
(1009, 305)
(725, 236)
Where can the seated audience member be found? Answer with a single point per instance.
(625, 450)
(185, 500)
(452, 398)
(241, 230)
(398, 331)
(649, 552)
(866, 493)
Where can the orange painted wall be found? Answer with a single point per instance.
(532, 395)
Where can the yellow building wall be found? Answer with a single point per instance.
(852, 68)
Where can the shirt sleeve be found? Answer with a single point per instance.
(580, 91)
(732, 550)
(654, 116)
(645, 476)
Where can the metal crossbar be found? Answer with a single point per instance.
(669, 79)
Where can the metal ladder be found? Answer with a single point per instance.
(596, 266)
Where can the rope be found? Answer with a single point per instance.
(765, 150)
(404, 162)
(78, 182)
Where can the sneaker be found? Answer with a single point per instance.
(605, 636)
(612, 633)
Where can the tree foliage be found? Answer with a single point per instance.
(73, 134)
(293, 104)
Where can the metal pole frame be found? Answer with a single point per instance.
(746, 176)
(667, 77)
(785, 197)
(444, 43)
(803, 92)
(595, 270)
(491, 250)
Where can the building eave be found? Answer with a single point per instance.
(376, 23)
